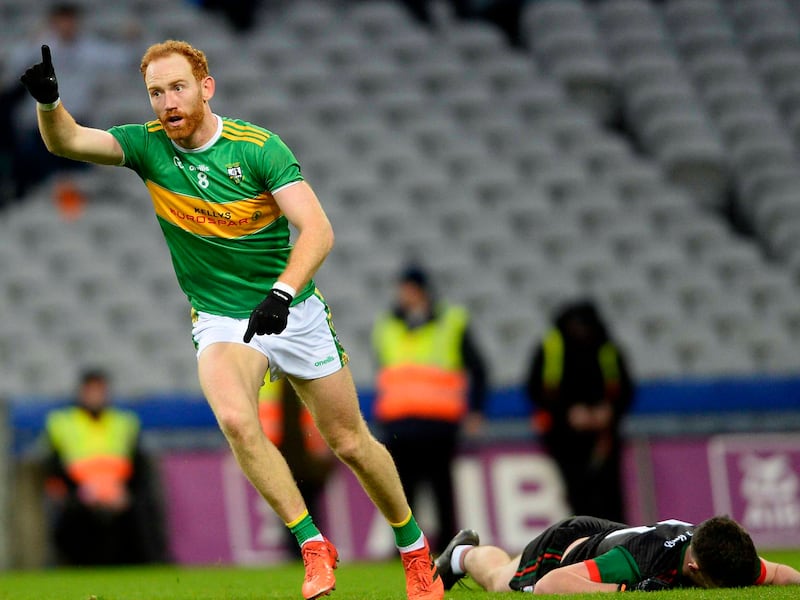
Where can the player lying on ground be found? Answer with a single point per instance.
(587, 554)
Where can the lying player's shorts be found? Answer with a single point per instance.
(307, 349)
(545, 551)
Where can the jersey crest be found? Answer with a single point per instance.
(235, 173)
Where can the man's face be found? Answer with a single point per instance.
(93, 395)
(66, 25)
(411, 297)
(177, 98)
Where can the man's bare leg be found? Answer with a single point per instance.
(231, 375)
(333, 402)
(490, 567)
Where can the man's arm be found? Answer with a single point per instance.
(779, 574)
(61, 134)
(475, 365)
(572, 579)
(314, 241)
(315, 234)
(64, 137)
(533, 379)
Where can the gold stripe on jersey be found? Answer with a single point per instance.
(242, 138)
(230, 220)
(153, 126)
(244, 133)
(246, 129)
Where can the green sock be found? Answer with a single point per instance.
(406, 532)
(303, 528)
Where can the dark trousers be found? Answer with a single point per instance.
(423, 452)
(86, 536)
(594, 486)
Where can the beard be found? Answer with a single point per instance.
(191, 121)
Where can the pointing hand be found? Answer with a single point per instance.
(41, 80)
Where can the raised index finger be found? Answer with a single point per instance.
(47, 60)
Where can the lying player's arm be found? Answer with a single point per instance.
(572, 579)
(315, 234)
(779, 574)
(61, 134)
(64, 137)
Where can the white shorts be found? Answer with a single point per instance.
(307, 349)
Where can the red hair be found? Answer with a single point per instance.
(197, 58)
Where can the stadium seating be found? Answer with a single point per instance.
(495, 166)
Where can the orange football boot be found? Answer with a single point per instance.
(319, 559)
(422, 576)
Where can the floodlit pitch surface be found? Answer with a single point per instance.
(357, 581)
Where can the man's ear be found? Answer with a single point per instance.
(693, 569)
(697, 576)
(208, 86)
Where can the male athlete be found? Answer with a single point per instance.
(586, 554)
(225, 192)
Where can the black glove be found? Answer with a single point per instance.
(40, 79)
(651, 584)
(270, 316)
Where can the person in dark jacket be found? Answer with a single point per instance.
(580, 387)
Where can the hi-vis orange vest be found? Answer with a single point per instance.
(97, 453)
(270, 414)
(422, 371)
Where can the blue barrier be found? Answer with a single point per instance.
(756, 394)
(684, 396)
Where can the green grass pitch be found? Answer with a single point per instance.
(355, 581)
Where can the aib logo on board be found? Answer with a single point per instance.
(756, 480)
(770, 489)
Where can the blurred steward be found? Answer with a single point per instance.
(431, 382)
(580, 387)
(100, 483)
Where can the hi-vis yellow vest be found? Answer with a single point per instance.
(97, 453)
(422, 371)
(553, 373)
(553, 367)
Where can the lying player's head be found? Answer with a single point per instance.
(725, 554)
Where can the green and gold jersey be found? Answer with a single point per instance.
(227, 236)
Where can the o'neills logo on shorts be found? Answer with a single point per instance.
(324, 361)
